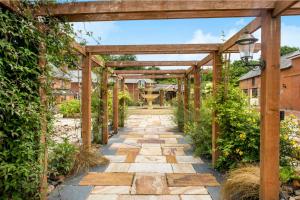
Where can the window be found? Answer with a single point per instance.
(245, 91)
(141, 83)
(254, 93)
(253, 81)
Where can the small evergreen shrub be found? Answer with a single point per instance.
(70, 108)
(200, 133)
(61, 158)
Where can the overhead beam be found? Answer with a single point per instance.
(149, 63)
(282, 6)
(251, 27)
(164, 76)
(150, 71)
(152, 49)
(159, 9)
(158, 49)
(202, 62)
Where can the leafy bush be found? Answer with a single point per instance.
(61, 158)
(200, 133)
(179, 116)
(70, 108)
(123, 96)
(289, 149)
(239, 128)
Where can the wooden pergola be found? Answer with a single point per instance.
(268, 18)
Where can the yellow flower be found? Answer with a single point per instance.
(243, 136)
(241, 153)
(226, 153)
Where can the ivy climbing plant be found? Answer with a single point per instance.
(20, 37)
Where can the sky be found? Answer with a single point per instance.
(179, 31)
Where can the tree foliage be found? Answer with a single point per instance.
(284, 50)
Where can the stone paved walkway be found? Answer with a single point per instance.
(149, 160)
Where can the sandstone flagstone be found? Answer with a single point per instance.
(183, 168)
(117, 158)
(150, 159)
(150, 184)
(149, 197)
(151, 151)
(171, 159)
(188, 159)
(107, 179)
(187, 179)
(125, 151)
(151, 167)
(111, 190)
(188, 190)
(103, 197)
(117, 167)
(175, 151)
(195, 197)
(151, 140)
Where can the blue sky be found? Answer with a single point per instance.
(177, 31)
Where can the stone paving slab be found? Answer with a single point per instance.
(150, 160)
(150, 184)
(107, 179)
(187, 179)
(111, 190)
(188, 190)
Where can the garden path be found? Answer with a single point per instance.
(149, 160)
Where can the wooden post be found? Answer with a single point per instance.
(217, 78)
(86, 102)
(269, 109)
(43, 121)
(123, 104)
(161, 97)
(197, 90)
(116, 106)
(186, 99)
(104, 96)
(179, 91)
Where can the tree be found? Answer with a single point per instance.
(287, 49)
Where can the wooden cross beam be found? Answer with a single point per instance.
(149, 63)
(157, 76)
(158, 49)
(158, 9)
(178, 71)
(204, 61)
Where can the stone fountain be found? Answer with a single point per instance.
(149, 96)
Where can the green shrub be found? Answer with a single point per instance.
(289, 148)
(179, 116)
(70, 108)
(123, 96)
(239, 128)
(200, 133)
(61, 158)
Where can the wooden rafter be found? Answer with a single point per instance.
(158, 49)
(178, 71)
(149, 63)
(157, 76)
(159, 9)
(282, 6)
(201, 63)
(251, 27)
